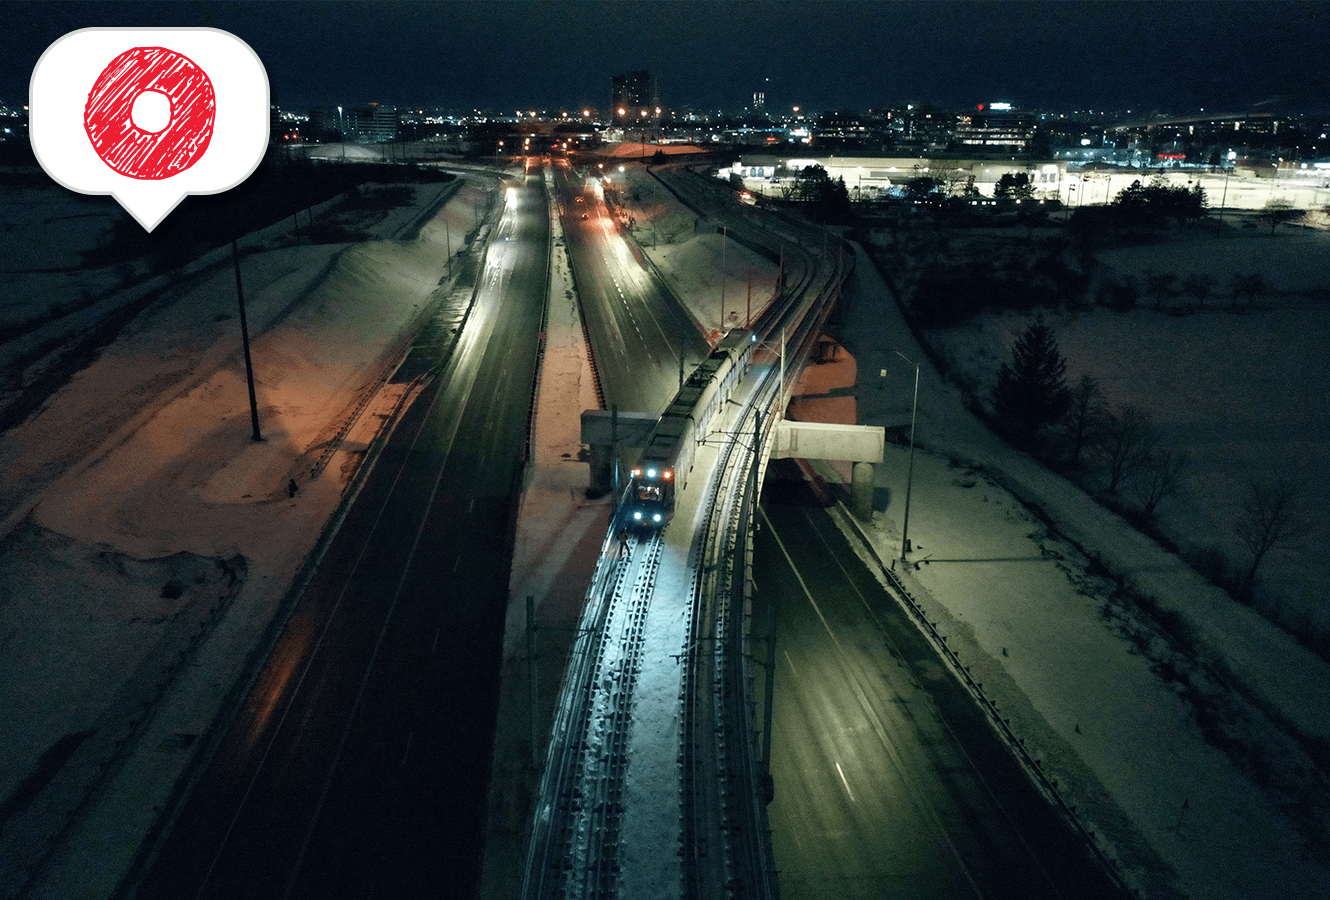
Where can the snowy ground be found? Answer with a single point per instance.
(1179, 758)
(1175, 747)
(176, 494)
(1243, 391)
(142, 517)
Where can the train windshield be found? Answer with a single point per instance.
(648, 493)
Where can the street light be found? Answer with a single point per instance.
(721, 329)
(909, 474)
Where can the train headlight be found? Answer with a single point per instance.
(656, 517)
(669, 473)
(651, 473)
(637, 515)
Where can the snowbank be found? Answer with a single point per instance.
(1185, 750)
(142, 516)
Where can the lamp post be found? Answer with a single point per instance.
(720, 330)
(909, 473)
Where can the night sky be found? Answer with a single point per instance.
(709, 54)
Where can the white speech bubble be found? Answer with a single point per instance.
(128, 152)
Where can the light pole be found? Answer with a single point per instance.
(909, 473)
(1219, 226)
(720, 330)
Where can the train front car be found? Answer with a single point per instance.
(650, 502)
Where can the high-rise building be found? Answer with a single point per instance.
(372, 123)
(634, 97)
(995, 128)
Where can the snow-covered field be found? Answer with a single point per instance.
(1243, 391)
(1173, 744)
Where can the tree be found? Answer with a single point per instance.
(1277, 210)
(1150, 204)
(1084, 415)
(809, 183)
(1014, 186)
(1120, 293)
(1270, 516)
(1160, 477)
(1131, 203)
(1125, 443)
(1198, 286)
(1249, 287)
(830, 200)
(1030, 392)
(920, 187)
(1162, 286)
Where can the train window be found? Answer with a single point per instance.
(648, 492)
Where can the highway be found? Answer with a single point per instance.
(357, 764)
(889, 781)
(636, 326)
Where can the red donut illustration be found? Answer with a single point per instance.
(135, 151)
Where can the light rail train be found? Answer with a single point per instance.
(667, 459)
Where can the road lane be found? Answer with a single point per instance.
(637, 327)
(888, 780)
(359, 763)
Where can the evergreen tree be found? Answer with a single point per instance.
(1031, 390)
(1015, 186)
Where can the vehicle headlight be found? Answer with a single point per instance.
(637, 516)
(656, 517)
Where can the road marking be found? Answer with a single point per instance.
(841, 773)
(802, 583)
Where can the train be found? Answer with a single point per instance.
(666, 461)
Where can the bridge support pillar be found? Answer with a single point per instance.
(861, 491)
(602, 470)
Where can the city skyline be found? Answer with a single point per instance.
(707, 55)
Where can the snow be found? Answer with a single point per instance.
(1184, 753)
(140, 473)
(1241, 391)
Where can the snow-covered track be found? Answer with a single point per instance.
(584, 781)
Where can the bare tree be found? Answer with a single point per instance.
(1162, 286)
(1198, 286)
(1277, 210)
(1271, 515)
(1127, 440)
(1087, 412)
(1159, 477)
(1248, 287)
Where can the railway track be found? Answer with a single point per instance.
(578, 828)
(722, 833)
(724, 848)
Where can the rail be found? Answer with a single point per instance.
(724, 839)
(575, 853)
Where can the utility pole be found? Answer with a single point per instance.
(244, 340)
(723, 242)
(909, 472)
